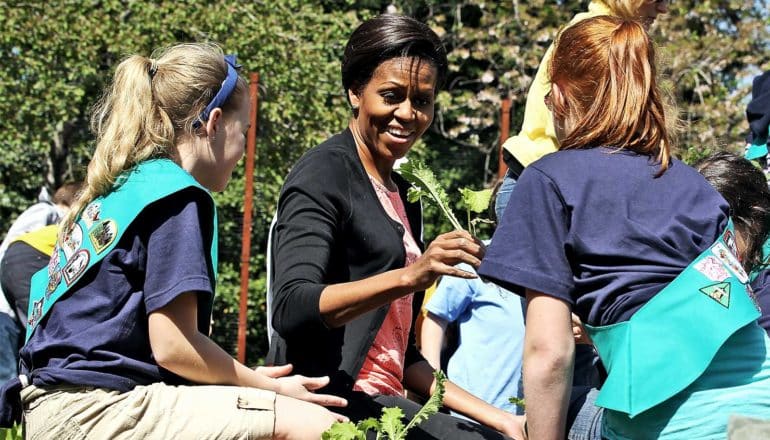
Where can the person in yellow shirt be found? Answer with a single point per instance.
(537, 137)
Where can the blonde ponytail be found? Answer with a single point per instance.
(150, 104)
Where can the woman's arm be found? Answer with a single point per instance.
(432, 339)
(549, 352)
(341, 303)
(419, 377)
(179, 347)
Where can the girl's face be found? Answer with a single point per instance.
(225, 145)
(649, 9)
(395, 107)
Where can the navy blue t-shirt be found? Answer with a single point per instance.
(97, 335)
(597, 229)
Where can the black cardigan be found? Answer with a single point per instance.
(331, 229)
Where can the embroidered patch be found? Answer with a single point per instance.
(53, 263)
(103, 234)
(712, 268)
(54, 280)
(730, 261)
(719, 292)
(76, 266)
(91, 213)
(730, 241)
(37, 312)
(72, 240)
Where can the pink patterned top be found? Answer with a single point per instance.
(383, 369)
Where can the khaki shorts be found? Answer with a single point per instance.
(156, 411)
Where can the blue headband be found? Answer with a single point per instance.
(228, 85)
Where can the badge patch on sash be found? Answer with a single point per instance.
(76, 266)
(103, 234)
(730, 261)
(53, 282)
(37, 312)
(72, 240)
(91, 213)
(730, 242)
(719, 292)
(712, 268)
(53, 263)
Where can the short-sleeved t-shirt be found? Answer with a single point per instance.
(597, 229)
(487, 362)
(97, 334)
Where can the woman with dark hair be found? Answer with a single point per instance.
(347, 250)
(639, 246)
(745, 188)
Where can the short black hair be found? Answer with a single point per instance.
(745, 189)
(385, 37)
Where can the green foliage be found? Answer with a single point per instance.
(428, 188)
(390, 425)
(518, 402)
(14, 433)
(477, 202)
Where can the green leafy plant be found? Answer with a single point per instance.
(11, 433)
(518, 402)
(427, 187)
(477, 202)
(390, 425)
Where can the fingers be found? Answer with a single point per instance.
(327, 400)
(339, 417)
(275, 371)
(314, 383)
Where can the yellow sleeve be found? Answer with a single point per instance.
(537, 136)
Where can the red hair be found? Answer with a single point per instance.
(605, 70)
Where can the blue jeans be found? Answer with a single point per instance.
(587, 424)
(504, 194)
(9, 347)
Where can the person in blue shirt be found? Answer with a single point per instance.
(639, 246)
(117, 330)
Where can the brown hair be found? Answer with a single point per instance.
(605, 68)
(625, 9)
(151, 103)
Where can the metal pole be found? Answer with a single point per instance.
(505, 127)
(248, 199)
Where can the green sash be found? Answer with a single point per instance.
(672, 339)
(99, 228)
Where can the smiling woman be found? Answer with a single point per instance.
(347, 244)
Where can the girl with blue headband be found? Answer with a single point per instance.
(117, 335)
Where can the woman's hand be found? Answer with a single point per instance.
(442, 255)
(302, 388)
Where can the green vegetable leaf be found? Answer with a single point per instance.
(427, 186)
(370, 424)
(518, 402)
(391, 424)
(476, 201)
(343, 431)
(432, 405)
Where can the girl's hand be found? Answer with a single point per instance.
(302, 388)
(442, 255)
(275, 371)
(579, 332)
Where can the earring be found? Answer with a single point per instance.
(354, 107)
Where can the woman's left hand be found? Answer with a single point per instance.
(301, 387)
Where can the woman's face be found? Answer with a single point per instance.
(649, 10)
(395, 107)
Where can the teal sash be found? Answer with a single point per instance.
(99, 228)
(756, 149)
(672, 339)
(765, 261)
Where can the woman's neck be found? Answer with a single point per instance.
(379, 168)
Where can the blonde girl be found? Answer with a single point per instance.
(117, 338)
